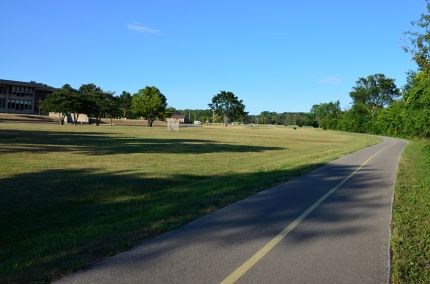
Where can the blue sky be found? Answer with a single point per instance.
(275, 55)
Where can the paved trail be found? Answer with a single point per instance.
(331, 225)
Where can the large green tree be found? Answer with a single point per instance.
(112, 106)
(373, 93)
(57, 102)
(78, 104)
(99, 102)
(125, 103)
(149, 103)
(227, 105)
(327, 114)
(64, 101)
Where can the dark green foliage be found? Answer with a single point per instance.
(98, 102)
(391, 120)
(125, 104)
(374, 92)
(417, 102)
(65, 100)
(284, 118)
(371, 95)
(149, 103)
(267, 117)
(375, 109)
(56, 102)
(410, 116)
(358, 119)
(227, 105)
(89, 99)
(191, 115)
(327, 114)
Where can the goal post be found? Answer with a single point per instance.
(173, 124)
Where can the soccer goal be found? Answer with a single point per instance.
(173, 124)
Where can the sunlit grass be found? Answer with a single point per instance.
(411, 216)
(72, 195)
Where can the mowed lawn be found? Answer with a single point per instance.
(72, 195)
(410, 241)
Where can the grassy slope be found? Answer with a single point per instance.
(411, 217)
(72, 195)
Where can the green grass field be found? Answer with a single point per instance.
(411, 216)
(72, 195)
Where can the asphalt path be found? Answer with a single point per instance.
(331, 225)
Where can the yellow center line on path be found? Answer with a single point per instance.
(247, 265)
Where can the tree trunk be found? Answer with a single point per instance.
(60, 118)
(98, 120)
(75, 118)
(225, 120)
(150, 122)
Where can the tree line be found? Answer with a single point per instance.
(148, 103)
(90, 99)
(285, 118)
(379, 106)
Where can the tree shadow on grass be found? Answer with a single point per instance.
(57, 221)
(27, 119)
(96, 143)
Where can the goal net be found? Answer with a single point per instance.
(173, 124)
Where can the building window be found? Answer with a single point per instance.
(2, 103)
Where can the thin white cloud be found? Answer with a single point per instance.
(141, 28)
(332, 80)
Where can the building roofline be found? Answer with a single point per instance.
(36, 85)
